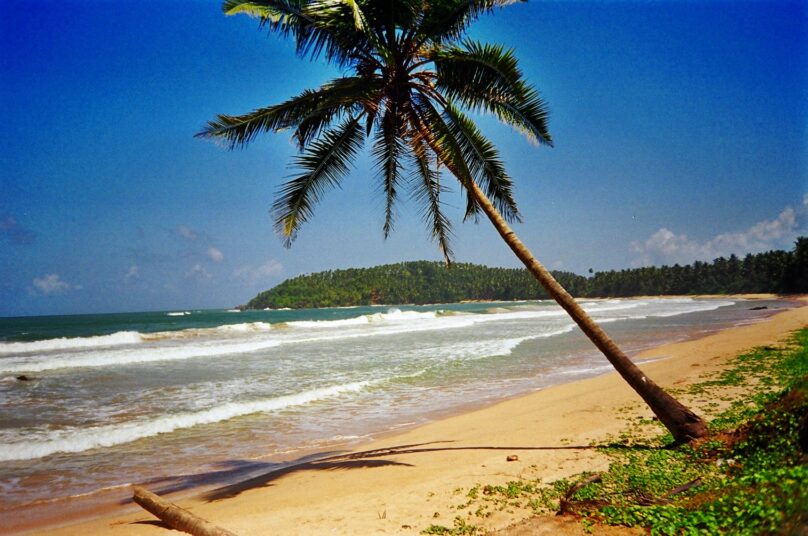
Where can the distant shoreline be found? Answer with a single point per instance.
(428, 282)
(751, 296)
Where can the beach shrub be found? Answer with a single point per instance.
(752, 475)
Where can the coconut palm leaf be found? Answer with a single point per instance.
(343, 95)
(324, 163)
(487, 77)
(487, 66)
(317, 26)
(447, 20)
(387, 153)
(349, 33)
(283, 16)
(427, 192)
(484, 162)
(446, 148)
(309, 112)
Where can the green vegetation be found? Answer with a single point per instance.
(431, 282)
(407, 282)
(750, 476)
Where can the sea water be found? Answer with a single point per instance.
(182, 398)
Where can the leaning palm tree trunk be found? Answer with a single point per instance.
(682, 423)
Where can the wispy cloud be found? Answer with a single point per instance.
(198, 272)
(215, 254)
(666, 246)
(187, 233)
(14, 233)
(132, 273)
(52, 284)
(259, 274)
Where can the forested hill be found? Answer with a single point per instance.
(421, 282)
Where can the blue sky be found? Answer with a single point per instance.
(680, 132)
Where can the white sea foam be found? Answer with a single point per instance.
(695, 308)
(64, 343)
(356, 321)
(391, 316)
(179, 313)
(224, 329)
(129, 357)
(44, 443)
(252, 337)
(473, 350)
(592, 369)
(602, 308)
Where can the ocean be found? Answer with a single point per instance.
(188, 398)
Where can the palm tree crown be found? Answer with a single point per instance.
(411, 79)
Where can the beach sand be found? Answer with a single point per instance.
(396, 484)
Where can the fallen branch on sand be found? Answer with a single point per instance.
(175, 517)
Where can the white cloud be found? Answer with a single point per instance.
(215, 254)
(665, 246)
(198, 272)
(52, 284)
(133, 273)
(268, 270)
(186, 232)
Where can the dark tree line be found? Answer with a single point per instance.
(419, 282)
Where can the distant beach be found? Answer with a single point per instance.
(222, 397)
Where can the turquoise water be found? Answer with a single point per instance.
(33, 328)
(209, 395)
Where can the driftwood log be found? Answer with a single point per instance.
(175, 517)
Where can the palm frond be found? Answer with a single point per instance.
(528, 115)
(484, 162)
(446, 20)
(431, 125)
(427, 192)
(285, 12)
(487, 77)
(309, 112)
(324, 163)
(318, 26)
(351, 36)
(387, 153)
(488, 66)
(398, 14)
(340, 96)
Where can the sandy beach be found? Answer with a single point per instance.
(402, 483)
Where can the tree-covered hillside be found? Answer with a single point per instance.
(408, 282)
(421, 282)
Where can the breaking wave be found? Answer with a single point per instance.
(41, 444)
(129, 357)
(66, 343)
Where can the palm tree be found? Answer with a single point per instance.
(412, 76)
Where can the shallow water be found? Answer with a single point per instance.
(208, 396)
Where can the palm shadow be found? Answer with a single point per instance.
(370, 459)
(266, 479)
